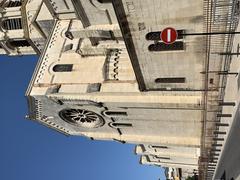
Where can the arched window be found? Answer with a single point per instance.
(104, 1)
(223, 177)
(63, 68)
(123, 142)
(19, 43)
(158, 147)
(156, 36)
(161, 157)
(160, 46)
(121, 125)
(171, 80)
(11, 24)
(153, 35)
(12, 44)
(116, 113)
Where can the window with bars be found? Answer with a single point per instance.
(11, 24)
(13, 4)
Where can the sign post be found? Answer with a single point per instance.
(169, 35)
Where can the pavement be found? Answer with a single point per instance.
(229, 159)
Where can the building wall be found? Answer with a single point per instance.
(85, 82)
(175, 163)
(146, 16)
(12, 39)
(184, 158)
(168, 151)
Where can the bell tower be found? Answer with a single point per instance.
(12, 40)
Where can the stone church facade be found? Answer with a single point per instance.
(103, 73)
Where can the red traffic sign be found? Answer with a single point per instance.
(169, 35)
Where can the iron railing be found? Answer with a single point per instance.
(220, 16)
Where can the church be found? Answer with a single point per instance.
(104, 73)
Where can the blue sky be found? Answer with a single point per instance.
(30, 151)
